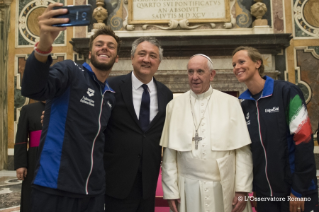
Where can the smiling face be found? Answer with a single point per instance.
(244, 68)
(145, 61)
(199, 75)
(103, 54)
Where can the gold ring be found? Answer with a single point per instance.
(298, 208)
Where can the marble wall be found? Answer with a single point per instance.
(308, 81)
(4, 26)
(303, 53)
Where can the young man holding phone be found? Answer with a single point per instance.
(69, 174)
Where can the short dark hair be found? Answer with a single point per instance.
(151, 40)
(106, 30)
(254, 55)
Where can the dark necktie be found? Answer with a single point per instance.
(145, 109)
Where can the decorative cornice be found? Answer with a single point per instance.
(5, 3)
(213, 45)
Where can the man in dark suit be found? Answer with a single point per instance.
(132, 154)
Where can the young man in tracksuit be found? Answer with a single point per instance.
(70, 174)
(282, 143)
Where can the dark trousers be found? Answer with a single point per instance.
(283, 206)
(134, 202)
(44, 202)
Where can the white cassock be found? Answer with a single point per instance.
(206, 179)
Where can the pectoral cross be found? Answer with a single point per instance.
(196, 139)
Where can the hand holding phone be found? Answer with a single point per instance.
(48, 33)
(79, 15)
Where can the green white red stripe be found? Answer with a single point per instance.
(299, 122)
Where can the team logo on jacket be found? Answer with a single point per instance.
(90, 92)
(87, 100)
(273, 110)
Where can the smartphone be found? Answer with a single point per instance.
(79, 15)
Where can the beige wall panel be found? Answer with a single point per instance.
(308, 42)
(69, 48)
(288, 15)
(11, 53)
(291, 63)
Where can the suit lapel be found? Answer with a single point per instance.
(126, 90)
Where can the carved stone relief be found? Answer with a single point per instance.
(306, 18)
(178, 15)
(27, 30)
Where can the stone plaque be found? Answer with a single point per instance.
(195, 11)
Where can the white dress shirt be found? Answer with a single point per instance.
(137, 92)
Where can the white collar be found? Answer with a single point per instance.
(136, 83)
(202, 95)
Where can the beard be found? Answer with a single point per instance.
(102, 66)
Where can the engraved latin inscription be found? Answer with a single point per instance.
(178, 9)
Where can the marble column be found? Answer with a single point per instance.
(4, 28)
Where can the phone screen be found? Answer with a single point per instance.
(79, 15)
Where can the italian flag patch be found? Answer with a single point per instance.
(299, 122)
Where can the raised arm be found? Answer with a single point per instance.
(39, 81)
(49, 33)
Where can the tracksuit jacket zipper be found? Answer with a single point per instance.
(262, 144)
(98, 132)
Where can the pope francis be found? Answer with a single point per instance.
(207, 164)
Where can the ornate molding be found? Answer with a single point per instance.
(173, 24)
(312, 51)
(5, 3)
(214, 45)
(297, 69)
(306, 17)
